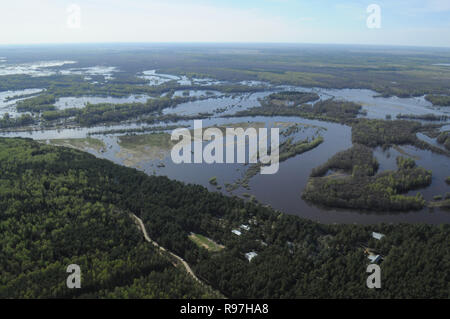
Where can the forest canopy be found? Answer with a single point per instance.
(60, 206)
(360, 188)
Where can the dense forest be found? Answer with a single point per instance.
(378, 132)
(359, 188)
(297, 98)
(423, 117)
(328, 110)
(385, 133)
(49, 220)
(60, 206)
(439, 100)
(357, 159)
(8, 122)
(37, 104)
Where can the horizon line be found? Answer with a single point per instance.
(219, 43)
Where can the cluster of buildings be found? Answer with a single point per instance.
(238, 232)
(374, 258)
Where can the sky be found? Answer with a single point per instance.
(399, 22)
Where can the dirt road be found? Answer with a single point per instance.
(154, 243)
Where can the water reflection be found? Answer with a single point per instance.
(283, 190)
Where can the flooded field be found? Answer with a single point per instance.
(8, 99)
(107, 72)
(80, 102)
(35, 69)
(378, 107)
(151, 152)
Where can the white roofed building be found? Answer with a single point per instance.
(377, 236)
(250, 255)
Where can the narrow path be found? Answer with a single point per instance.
(154, 243)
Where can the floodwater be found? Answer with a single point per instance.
(36, 69)
(379, 107)
(155, 79)
(196, 93)
(283, 190)
(8, 99)
(224, 104)
(80, 102)
(106, 72)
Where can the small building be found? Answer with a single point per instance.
(245, 227)
(263, 243)
(236, 232)
(375, 259)
(250, 255)
(377, 236)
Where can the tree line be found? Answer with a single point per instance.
(61, 206)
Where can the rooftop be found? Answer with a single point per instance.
(251, 255)
(374, 259)
(377, 235)
(236, 232)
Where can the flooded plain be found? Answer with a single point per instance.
(8, 100)
(283, 190)
(80, 102)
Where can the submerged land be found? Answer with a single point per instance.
(85, 144)
(125, 111)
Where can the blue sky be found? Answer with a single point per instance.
(412, 22)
